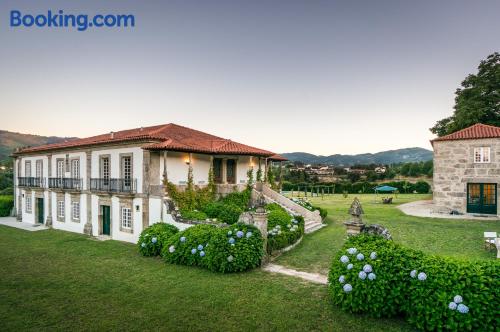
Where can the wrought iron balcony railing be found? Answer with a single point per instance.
(114, 185)
(31, 182)
(65, 183)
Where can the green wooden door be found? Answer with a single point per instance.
(482, 198)
(39, 210)
(106, 220)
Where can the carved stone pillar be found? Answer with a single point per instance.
(259, 220)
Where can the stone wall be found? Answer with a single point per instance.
(454, 167)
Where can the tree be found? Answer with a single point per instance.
(477, 101)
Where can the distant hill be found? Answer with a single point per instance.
(384, 157)
(10, 140)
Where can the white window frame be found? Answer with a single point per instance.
(60, 209)
(75, 210)
(28, 204)
(482, 155)
(27, 168)
(39, 169)
(126, 218)
(60, 168)
(75, 168)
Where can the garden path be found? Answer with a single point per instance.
(313, 277)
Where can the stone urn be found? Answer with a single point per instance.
(355, 225)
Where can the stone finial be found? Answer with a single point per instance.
(356, 210)
(260, 203)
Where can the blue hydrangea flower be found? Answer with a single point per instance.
(452, 305)
(143, 245)
(202, 253)
(422, 276)
(200, 247)
(249, 234)
(183, 239)
(344, 259)
(360, 257)
(193, 251)
(341, 279)
(231, 240)
(347, 288)
(352, 251)
(367, 268)
(458, 299)
(362, 275)
(349, 266)
(154, 240)
(462, 308)
(229, 233)
(230, 258)
(295, 221)
(232, 244)
(413, 273)
(373, 255)
(372, 276)
(239, 234)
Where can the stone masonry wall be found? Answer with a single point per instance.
(454, 167)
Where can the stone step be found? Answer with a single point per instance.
(313, 227)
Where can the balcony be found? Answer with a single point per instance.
(125, 186)
(31, 182)
(65, 183)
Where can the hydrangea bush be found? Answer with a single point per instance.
(152, 239)
(434, 293)
(229, 249)
(283, 229)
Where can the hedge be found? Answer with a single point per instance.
(6, 205)
(228, 249)
(421, 187)
(434, 293)
(152, 239)
(283, 229)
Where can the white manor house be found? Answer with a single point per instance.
(112, 184)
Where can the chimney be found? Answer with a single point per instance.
(112, 135)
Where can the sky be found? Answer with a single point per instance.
(322, 77)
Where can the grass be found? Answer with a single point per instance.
(55, 280)
(462, 239)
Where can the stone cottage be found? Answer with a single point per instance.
(467, 170)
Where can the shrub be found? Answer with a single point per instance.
(229, 213)
(245, 253)
(322, 212)
(229, 249)
(239, 199)
(193, 215)
(188, 247)
(154, 237)
(422, 287)
(283, 229)
(6, 205)
(213, 209)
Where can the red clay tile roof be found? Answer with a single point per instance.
(476, 131)
(163, 137)
(277, 157)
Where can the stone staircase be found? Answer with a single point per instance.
(312, 219)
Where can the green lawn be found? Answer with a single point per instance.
(54, 280)
(457, 238)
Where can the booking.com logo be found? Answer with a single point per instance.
(82, 21)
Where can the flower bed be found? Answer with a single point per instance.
(379, 277)
(283, 229)
(152, 238)
(304, 202)
(227, 249)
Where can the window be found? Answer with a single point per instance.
(60, 209)
(28, 203)
(75, 168)
(126, 218)
(76, 210)
(38, 169)
(482, 154)
(60, 169)
(105, 168)
(27, 169)
(127, 170)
